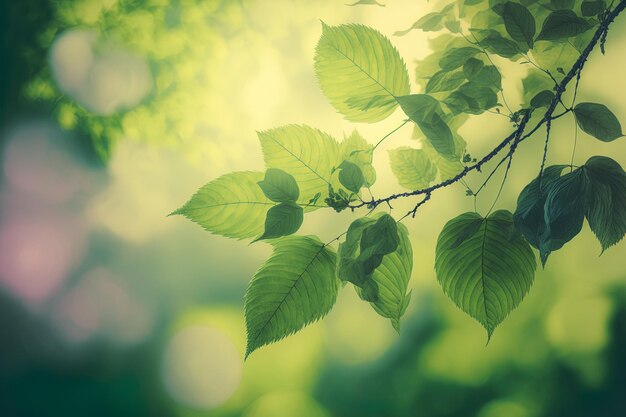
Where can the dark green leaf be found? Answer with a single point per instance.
(425, 111)
(542, 99)
(283, 219)
(439, 134)
(484, 96)
(471, 68)
(496, 43)
(350, 176)
(529, 215)
(456, 57)
(490, 271)
(592, 8)
(444, 81)
(488, 76)
(562, 24)
(293, 288)
(279, 186)
(368, 240)
(357, 150)
(564, 211)
(606, 211)
(419, 107)
(389, 282)
(519, 23)
(562, 4)
(461, 103)
(598, 121)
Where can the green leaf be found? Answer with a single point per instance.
(606, 212)
(456, 57)
(542, 99)
(598, 121)
(494, 42)
(529, 215)
(293, 288)
(488, 274)
(453, 26)
(459, 103)
(350, 176)
(592, 8)
(360, 72)
(391, 280)
(232, 205)
(282, 220)
(519, 23)
(307, 154)
(439, 134)
(366, 3)
(368, 240)
(472, 67)
(444, 81)
(564, 212)
(357, 150)
(484, 97)
(412, 167)
(428, 23)
(425, 112)
(562, 24)
(279, 186)
(562, 4)
(488, 76)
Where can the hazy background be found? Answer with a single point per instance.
(113, 112)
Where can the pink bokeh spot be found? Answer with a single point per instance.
(36, 255)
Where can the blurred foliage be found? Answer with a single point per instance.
(179, 40)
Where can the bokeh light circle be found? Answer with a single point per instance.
(201, 367)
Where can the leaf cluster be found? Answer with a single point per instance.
(485, 264)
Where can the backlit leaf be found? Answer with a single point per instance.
(305, 153)
(357, 150)
(360, 72)
(428, 23)
(293, 288)
(232, 205)
(412, 167)
(444, 81)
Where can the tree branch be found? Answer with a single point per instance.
(519, 134)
